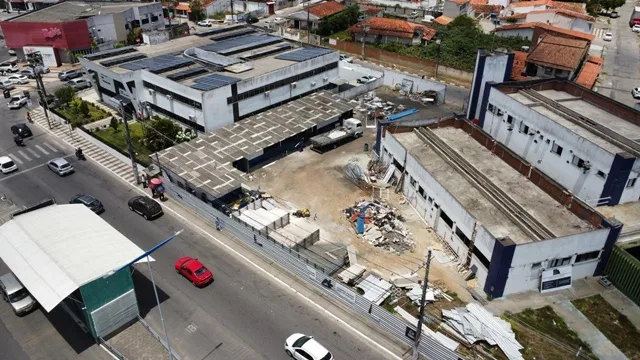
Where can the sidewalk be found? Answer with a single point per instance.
(332, 307)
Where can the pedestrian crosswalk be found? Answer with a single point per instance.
(599, 32)
(89, 149)
(25, 155)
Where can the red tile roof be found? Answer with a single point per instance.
(459, 2)
(486, 9)
(443, 20)
(549, 28)
(567, 13)
(479, 2)
(529, 3)
(393, 27)
(519, 63)
(577, 7)
(559, 53)
(326, 9)
(589, 73)
(372, 10)
(514, 16)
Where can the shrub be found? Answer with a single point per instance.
(114, 124)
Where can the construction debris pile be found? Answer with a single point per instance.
(376, 174)
(380, 225)
(376, 107)
(474, 323)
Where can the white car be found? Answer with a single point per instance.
(12, 52)
(18, 79)
(6, 85)
(207, 23)
(346, 58)
(17, 101)
(366, 79)
(607, 37)
(7, 165)
(9, 67)
(303, 347)
(636, 28)
(635, 93)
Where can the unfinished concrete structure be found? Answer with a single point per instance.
(512, 226)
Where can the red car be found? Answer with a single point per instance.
(193, 270)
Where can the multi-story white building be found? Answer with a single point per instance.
(207, 84)
(512, 233)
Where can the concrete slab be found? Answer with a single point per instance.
(135, 342)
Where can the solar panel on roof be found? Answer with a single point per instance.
(158, 64)
(304, 54)
(108, 53)
(232, 35)
(218, 30)
(232, 46)
(122, 60)
(186, 74)
(213, 81)
(263, 53)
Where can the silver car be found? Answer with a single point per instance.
(60, 166)
(15, 294)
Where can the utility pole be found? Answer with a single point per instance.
(365, 32)
(308, 23)
(422, 306)
(132, 154)
(232, 19)
(36, 63)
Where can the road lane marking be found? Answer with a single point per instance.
(15, 158)
(33, 153)
(20, 171)
(49, 146)
(24, 155)
(42, 150)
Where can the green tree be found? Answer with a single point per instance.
(340, 21)
(611, 4)
(64, 95)
(463, 21)
(161, 134)
(197, 9)
(114, 123)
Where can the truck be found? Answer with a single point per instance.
(351, 129)
(635, 16)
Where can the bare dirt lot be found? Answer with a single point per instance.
(317, 182)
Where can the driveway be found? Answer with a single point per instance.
(621, 71)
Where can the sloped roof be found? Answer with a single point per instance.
(565, 12)
(443, 20)
(325, 9)
(459, 2)
(514, 16)
(479, 2)
(486, 9)
(56, 249)
(393, 27)
(519, 63)
(529, 3)
(183, 7)
(577, 7)
(590, 72)
(548, 28)
(372, 10)
(559, 53)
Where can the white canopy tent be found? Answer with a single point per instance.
(56, 249)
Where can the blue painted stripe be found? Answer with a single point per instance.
(615, 228)
(485, 102)
(477, 84)
(501, 259)
(507, 74)
(617, 178)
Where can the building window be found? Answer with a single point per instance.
(536, 266)
(175, 96)
(509, 119)
(154, 18)
(579, 162)
(499, 112)
(412, 181)
(421, 192)
(601, 174)
(490, 108)
(548, 71)
(587, 256)
(483, 259)
(429, 200)
(631, 182)
(560, 262)
(524, 128)
(446, 219)
(145, 21)
(556, 149)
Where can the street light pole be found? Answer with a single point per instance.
(164, 327)
(132, 154)
(425, 284)
(308, 23)
(36, 63)
(365, 32)
(438, 42)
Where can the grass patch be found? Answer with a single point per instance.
(386, 304)
(117, 139)
(94, 114)
(528, 326)
(341, 35)
(614, 325)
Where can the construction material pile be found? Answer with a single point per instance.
(383, 226)
(376, 107)
(474, 323)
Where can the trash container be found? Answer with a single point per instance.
(366, 147)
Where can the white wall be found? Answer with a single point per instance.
(526, 9)
(522, 277)
(494, 70)
(524, 33)
(582, 25)
(103, 26)
(630, 194)
(587, 186)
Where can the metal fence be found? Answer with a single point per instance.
(316, 275)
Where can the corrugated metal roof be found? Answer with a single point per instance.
(56, 249)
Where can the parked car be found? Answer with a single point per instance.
(145, 206)
(366, 79)
(89, 201)
(7, 165)
(635, 93)
(9, 66)
(21, 130)
(6, 85)
(206, 23)
(18, 79)
(194, 271)
(636, 28)
(29, 72)
(69, 74)
(16, 295)
(614, 15)
(17, 101)
(12, 52)
(251, 19)
(346, 58)
(60, 166)
(79, 84)
(607, 36)
(303, 347)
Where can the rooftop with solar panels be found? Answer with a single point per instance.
(210, 59)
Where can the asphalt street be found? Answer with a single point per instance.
(242, 315)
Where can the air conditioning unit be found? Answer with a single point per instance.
(151, 91)
(313, 83)
(510, 128)
(267, 93)
(169, 97)
(326, 78)
(192, 117)
(294, 84)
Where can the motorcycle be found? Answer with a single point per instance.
(18, 140)
(80, 155)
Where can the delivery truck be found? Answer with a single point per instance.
(351, 129)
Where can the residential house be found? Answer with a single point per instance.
(384, 30)
(524, 7)
(443, 20)
(557, 57)
(562, 18)
(485, 9)
(590, 72)
(372, 11)
(455, 8)
(519, 65)
(314, 14)
(532, 31)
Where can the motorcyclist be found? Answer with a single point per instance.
(18, 140)
(79, 154)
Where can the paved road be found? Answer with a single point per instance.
(621, 60)
(243, 315)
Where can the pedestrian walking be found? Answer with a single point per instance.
(143, 180)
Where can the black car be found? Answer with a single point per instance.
(252, 19)
(21, 130)
(89, 201)
(145, 206)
